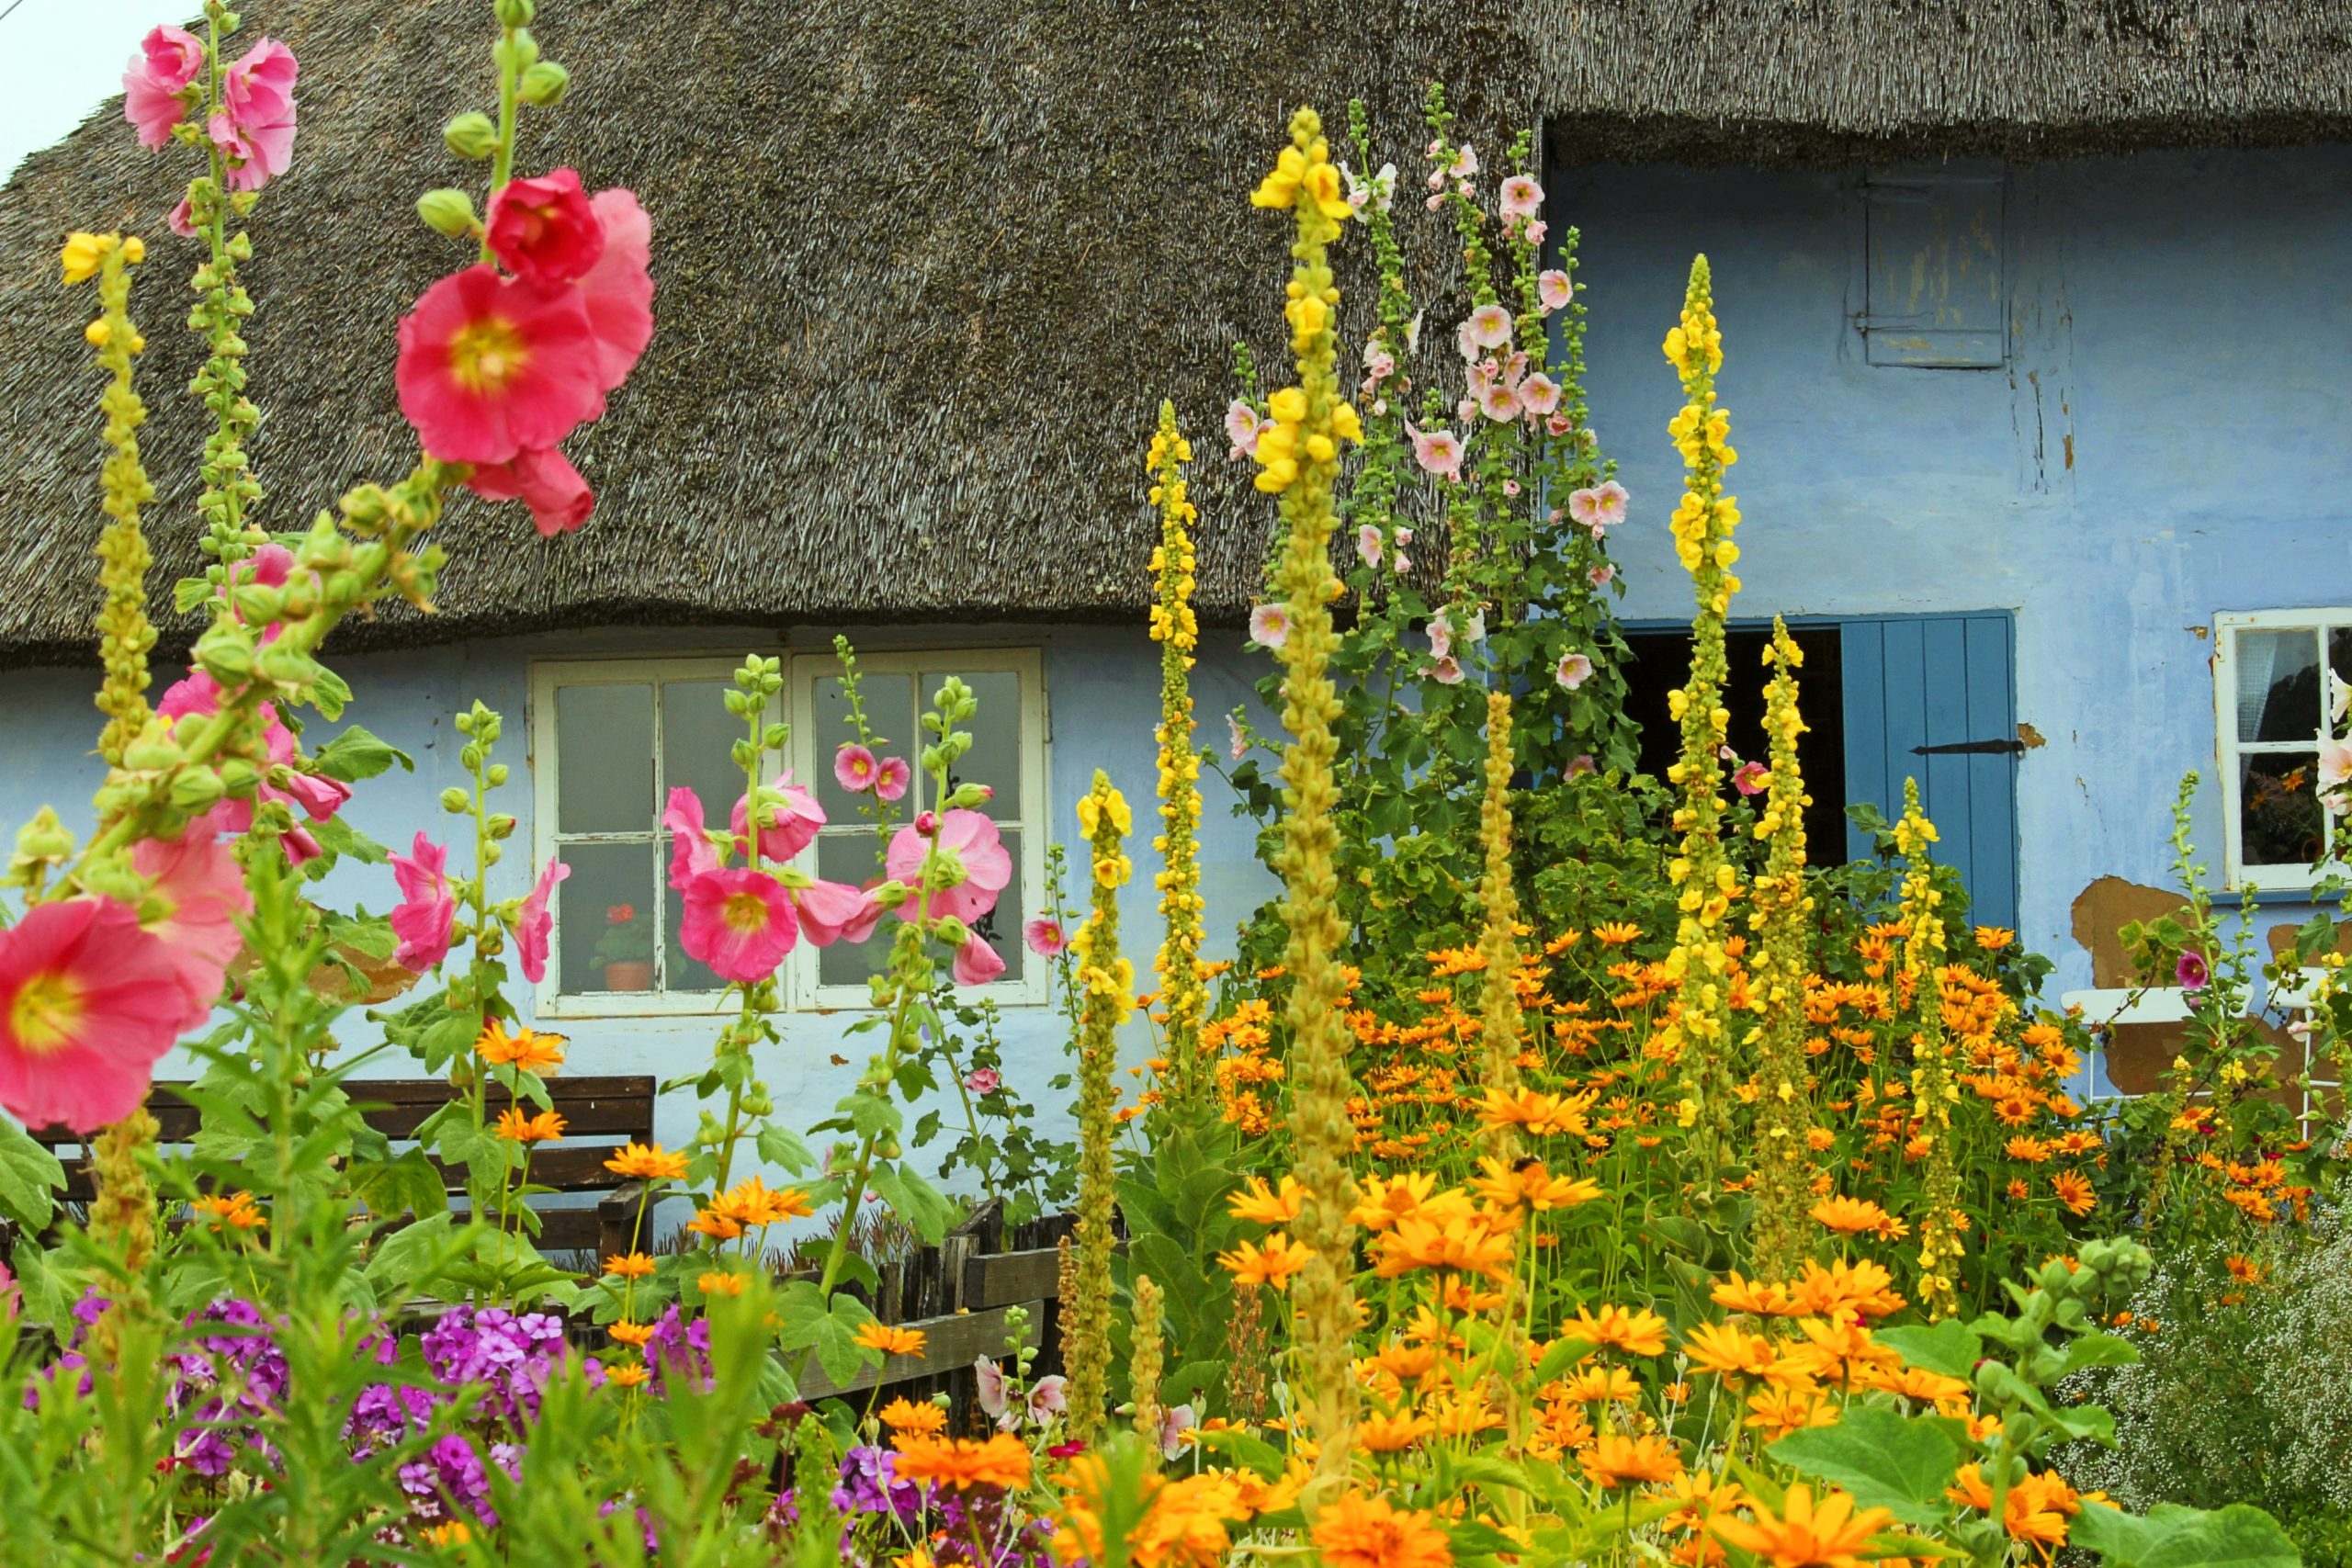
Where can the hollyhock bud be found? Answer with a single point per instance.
(449, 212)
(471, 136)
(545, 85)
(516, 13)
(927, 823)
(544, 230)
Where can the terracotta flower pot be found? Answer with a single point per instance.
(637, 974)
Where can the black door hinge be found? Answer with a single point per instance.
(1969, 748)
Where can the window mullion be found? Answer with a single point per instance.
(661, 894)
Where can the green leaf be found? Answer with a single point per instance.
(1886, 1460)
(1559, 1356)
(356, 754)
(781, 1146)
(2093, 1350)
(914, 1200)
(1251, 1453)
(29, 1174)
(330, 692)
(394, 1187)
(2173, 1536)
(338, 836)
(1946, 1347)
(809, 1322)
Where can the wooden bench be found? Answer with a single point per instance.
(599, 1113)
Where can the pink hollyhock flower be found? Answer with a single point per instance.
(181, 219)
(691, 851)
(195, 891)
(426, 912)
(1557, 423)
(254, 126)
(1241, 428)
(1474, 626)
(1368, 545)
(977, 867)
(976, 962)
(1446, 672)
(891, 781)
(1553, 290)
(1573, 670)
(1269, 625)
(490, 366)
(1045, 936)
(994, 1391)
(1440, 635)
(167, 61)
(1600, 508)
(854, 769)
(1520, 197)
(834, 911)
(983, 1080)
(1749, 779)
(1174, 1422)
(1533, 230)
(1438, 452)
(543, 479)
(1049, 1397)
(1581, 765)
(544, 230)
(1404, 537)
(1602, 575)
(1403, 563)
(1378, 363)
(318, 795)
(535, 921)
(88, 1002)
(1466, 411)
(738, 922)
(1488, 326)
(1539, 394)
(618, 290)
(2335, 772)
(1237, 739)
(2191, 972)
(793, 823)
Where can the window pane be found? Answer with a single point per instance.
(680, 972)
(851, 858)
(889, 713)
(698, 736)
(1000, 927)
(995, 757)
(2279, 809)
(2277, 694)
(2339, 660)
(604, 742)
(603, 931)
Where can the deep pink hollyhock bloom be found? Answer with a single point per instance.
(543, 479)
(318, 795)
(618, 288)
(738, 922)
(890, 782)
(88, 1001)
(534, 923)
(834, 911)
(197, 891)
(167, 61)
(426, 912)
(544, 230)
(1749, 779)
(1045, 936)
(490, 366)
(979, 867)
(254, 126)
(691, 851)
(983, 1080)
(794, 823)
(854, 769)
(976, 962)
(2192, 973)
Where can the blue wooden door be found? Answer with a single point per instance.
(1930, 697)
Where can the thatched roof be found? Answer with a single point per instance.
(926, 271)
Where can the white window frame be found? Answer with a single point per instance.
(2229, 750)
(805, 752)
(809, 752)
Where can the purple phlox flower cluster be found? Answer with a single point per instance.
(677, 1345)
(870, 1484)
(511, 1355)
(222, 1380)
(452, 1480)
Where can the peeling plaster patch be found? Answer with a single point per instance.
(2200, 633)
(2030, 735)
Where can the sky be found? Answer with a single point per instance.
(60, 59)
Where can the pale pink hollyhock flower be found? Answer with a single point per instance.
(1404, 537)
(1600, 508)
(195, 891)
(995, 1393)
(1553, 290)
(426, 912)
(543, 479)
(490, 366)
(1557, 424)
(2335, 772)
(1446, 672)
(1378, 363)
(1237, 739)
(2339, 696)
(1510, 487)
(1612, 504)
(976, 962)
(1045, 936)
(834, 911)
(1049, 1397)
(1539, 394)
(1581, 765)
(739, 923)
(1602, 575)
(1520, 197)
(983, 1080)
(543, 229)
(1465, 163)
(1726, 754)
(854, 768)
(1488, 326)
(1440, 635)
(978, 867)
(1749, 779)
(691, 851)
(1438, 452)
(1269, 625)
(1403, 563)
(167, 61)
(1533, 229)
(254, 126)
(1466, 411)
(535, 922)
(1174, 1422)
(1368, 545)
(1413, 333)
(891, 777)
(1498, 402)
(792, 822)
(1573, 670)
(1241, 428)
(1474, 627)
(88, 1001)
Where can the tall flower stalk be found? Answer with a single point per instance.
(1177, 630)
(1934, 1090)
(125, 635)
(1108, 981)
(1298, 456)
(1500, 1023)
(1703, 878)
(1782, 924)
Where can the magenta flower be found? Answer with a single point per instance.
(2191, 972)
(1438, 452)
(1269, 625)
(834, 911)
(426, 912)
(544, 230)
(542, 479)
(167, 62)
(983, 1080)
(691, 851)
(1573, 670)
(976, 962)
(1520, 197)
(891, 778)
(1553, 290)
(254, 126)
(88, 1002)
(793, 821)
(975, 867)
(196, 892)
(854, 768)
(1045, 936)
(739, 923)
(1368, 545)
(534, 923)
(1751, 778)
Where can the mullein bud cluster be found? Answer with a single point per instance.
(1307, 466)
(1781, 922)
(1108, 980)
(125, 634)
(1143, 1377)
(1703, 877)
(1934, 1088)
(1501, 1025)
(1177, 630)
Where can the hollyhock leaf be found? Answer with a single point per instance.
(356, 754)
(1886, 1460)
(1249, 1452)
(2093, 1350)
(1947, 1347)
(339, 837)
(782, 1147)
(914, 1200)
(29, 1174)
(406, 1185)
(2170, 1535)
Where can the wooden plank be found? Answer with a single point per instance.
(1862, 657)
(1907, 714)
(1991, 785)
(1944, 778)
(992, 1281)
(951, 1344)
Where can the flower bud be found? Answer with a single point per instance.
(471, 136)
(497, 775)
(501, 825)
(515, 13)
(239, 777)
(518, 51)
(544, 85)
(454, 801)
(44, 840)
(257, 605)
(197, 789)
(927, 824)
(226, 652)
(153, 750)
(447, 212)
(953, 931)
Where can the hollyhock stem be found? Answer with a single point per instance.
(502, 161)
